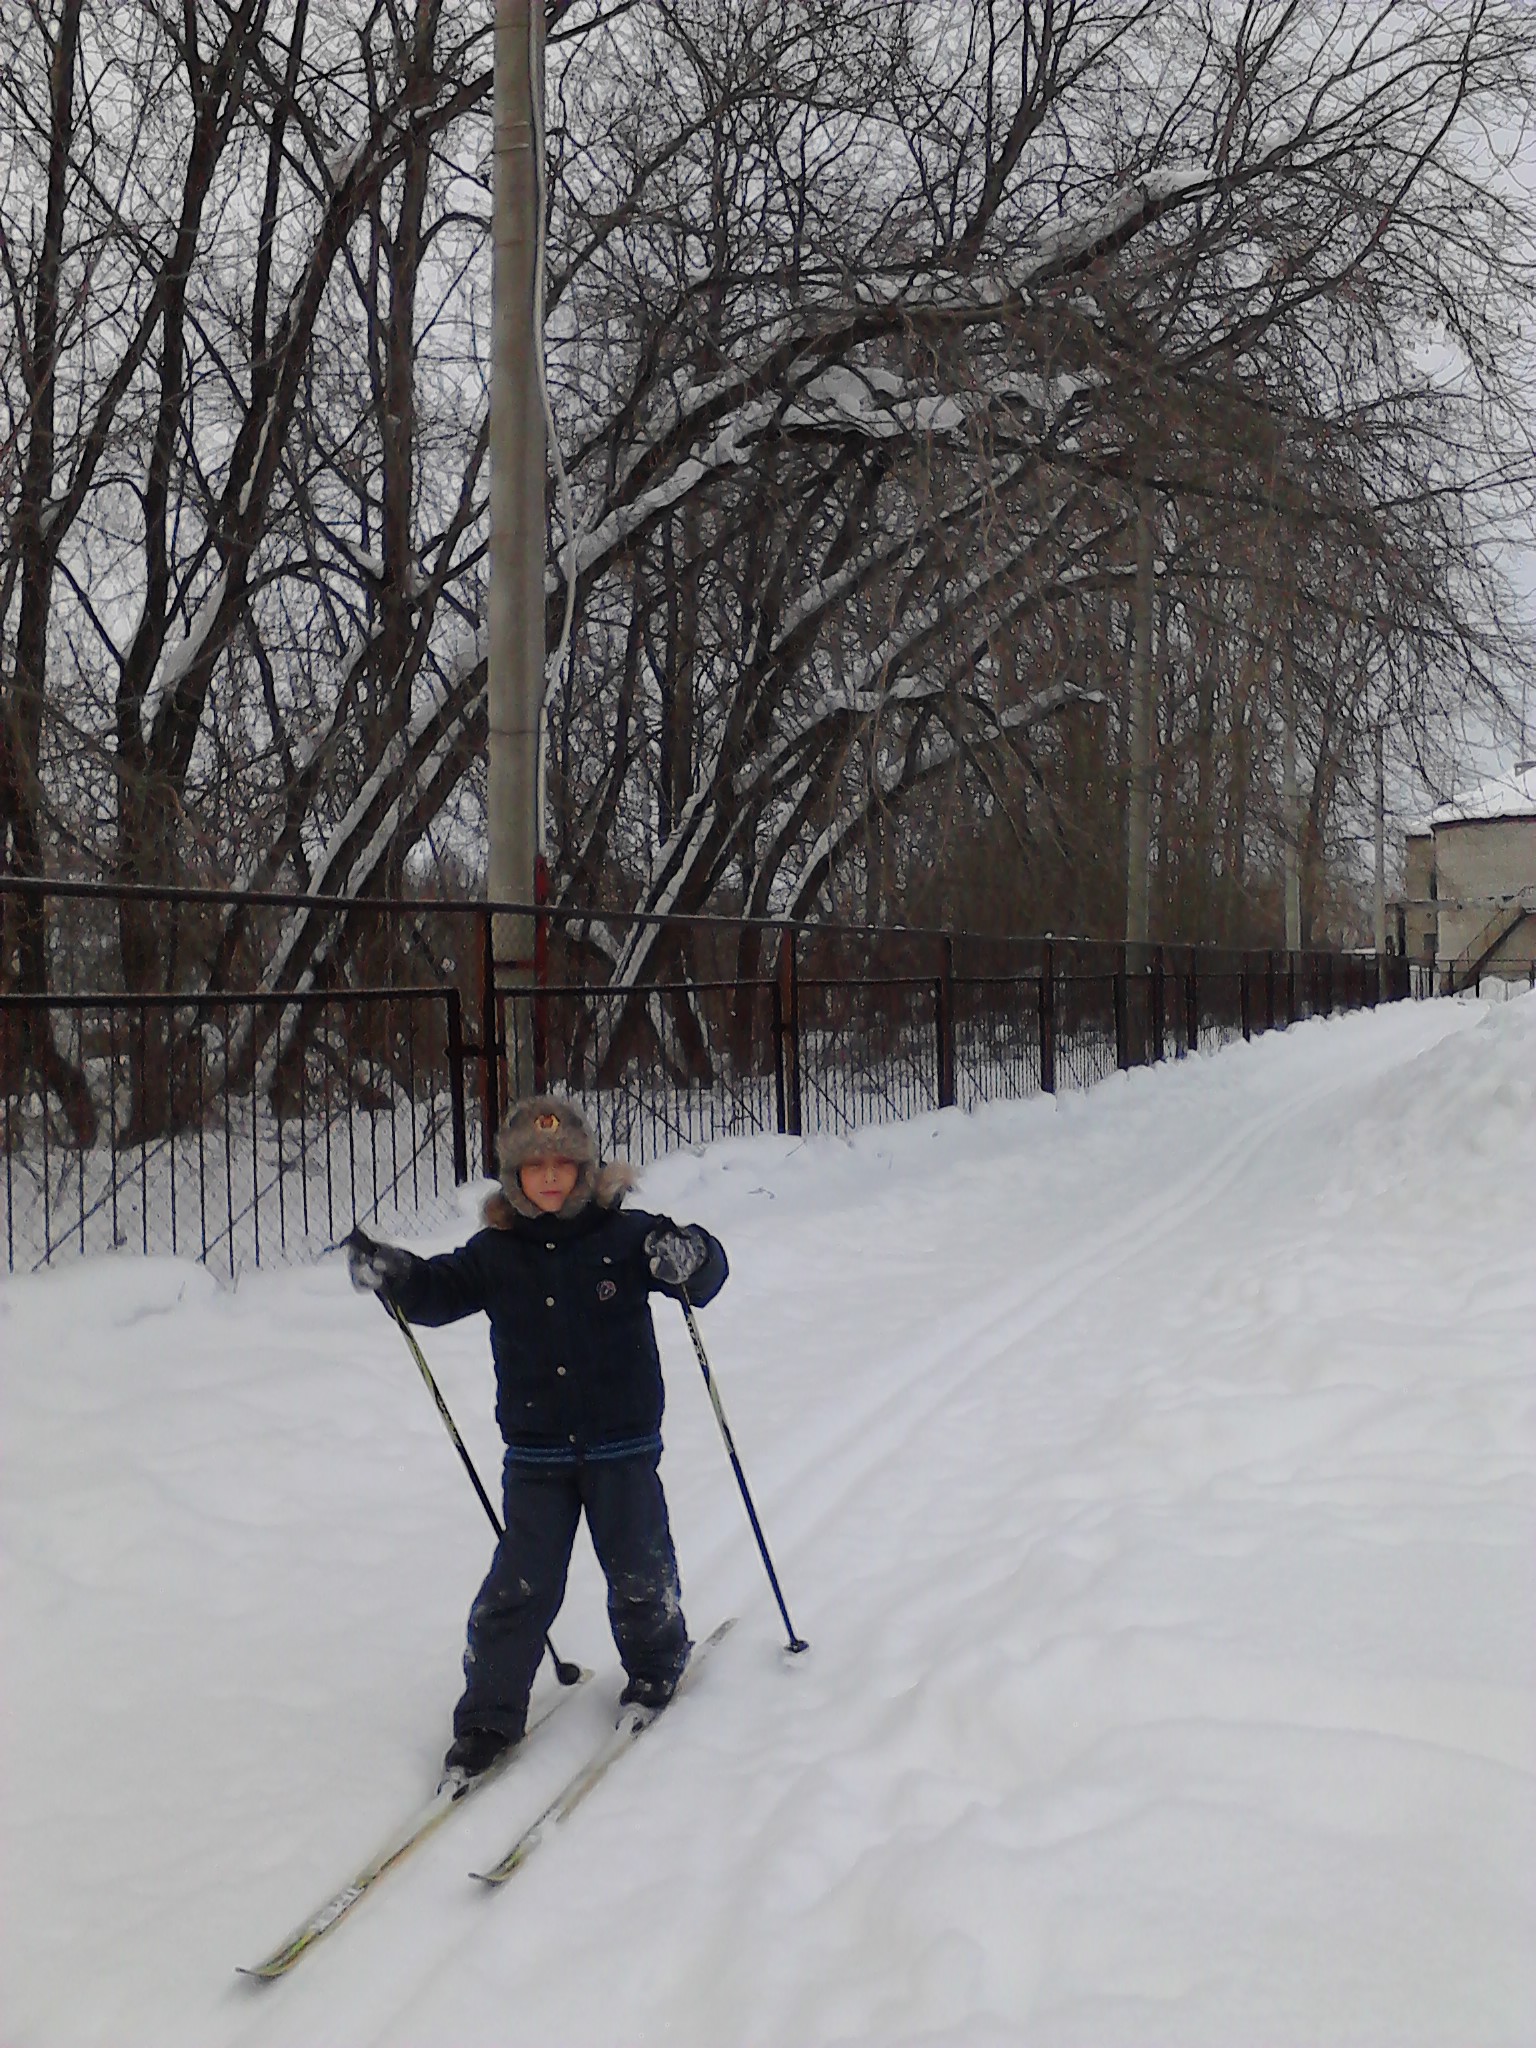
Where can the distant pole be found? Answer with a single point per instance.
(515, 621)
(1290, 795)
(1138, 861)
(1381, 856)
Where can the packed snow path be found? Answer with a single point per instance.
(1151, 1472)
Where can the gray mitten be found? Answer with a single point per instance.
(676, 1255)
(375, 1268)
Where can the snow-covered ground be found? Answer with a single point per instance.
(1152, 1472)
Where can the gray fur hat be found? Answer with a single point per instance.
(550, 1127)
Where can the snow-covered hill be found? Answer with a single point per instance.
(1152, 1472)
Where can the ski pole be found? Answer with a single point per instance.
(795, 1643)
(568, 1674)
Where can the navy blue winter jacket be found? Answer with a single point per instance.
(577, 1372)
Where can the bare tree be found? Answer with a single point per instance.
(872, 450)
(869, 326)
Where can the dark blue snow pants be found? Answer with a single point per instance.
(626, 1514)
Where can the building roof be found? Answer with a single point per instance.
(1511, 795)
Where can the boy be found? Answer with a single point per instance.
(564, 1274)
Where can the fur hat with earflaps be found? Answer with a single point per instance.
(550, 1127)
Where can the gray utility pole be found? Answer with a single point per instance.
(515, 625)
(1143, 714)
(1381, 838)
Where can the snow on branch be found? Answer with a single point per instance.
(729, 447)
(175, 661)
(868, 691)
(406, 765)
(1063, 251)
(845, 399)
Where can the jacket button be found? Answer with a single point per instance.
(549, 1247)
(573, 1436)
(560, 1369)
(549, 1301)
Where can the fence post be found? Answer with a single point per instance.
(780, 1123)
(1192, 1005)
(1290, 988)
(1122, 1019)
(787, 1013)
(944, 1023)
(1157, 1001)
(490, 1079)
(1048, 1018)
(1245, 998)
(456, 1086)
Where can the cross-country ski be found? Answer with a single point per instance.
(633, 1723)
(424, 1823)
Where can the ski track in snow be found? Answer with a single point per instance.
(1003, 1321)
(1151, 1471)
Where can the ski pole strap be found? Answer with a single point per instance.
(795, 1643)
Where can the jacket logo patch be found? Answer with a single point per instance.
(606, 1290)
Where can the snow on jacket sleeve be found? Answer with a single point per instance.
(443, 1289)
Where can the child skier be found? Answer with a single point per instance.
(563, 1273)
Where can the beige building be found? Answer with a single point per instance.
(1468, 907)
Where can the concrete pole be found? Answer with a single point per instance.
(1381, 856)
(1381, 840)
(515, 622)
(1143, 712)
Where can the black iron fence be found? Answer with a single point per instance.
(243, 1124)
(175, 1159)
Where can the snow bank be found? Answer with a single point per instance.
(1151, 1471)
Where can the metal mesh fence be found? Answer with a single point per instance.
(997, 1039)
(225, 1129)
(246, 1127)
